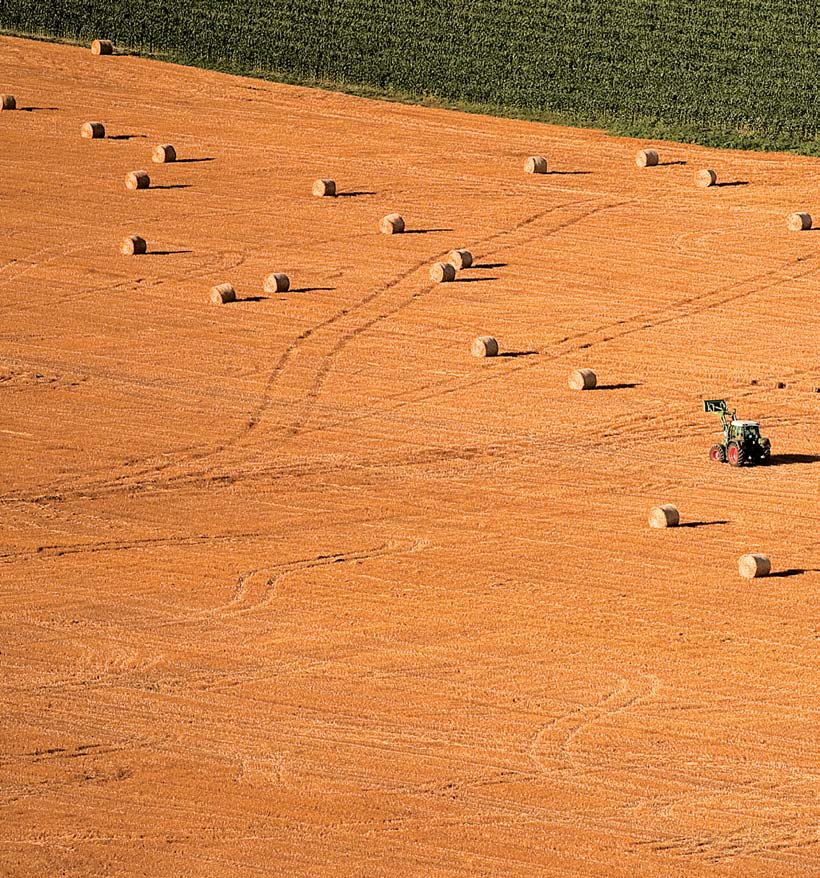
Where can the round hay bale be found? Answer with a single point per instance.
(133, 245)
(102, 47)
(535, 164)
(442, 272)
(137, 180)
(664, 516)
(799, 222)
(277, 283)
(164, 153)
(460, 259)
(93, 131)
(484, 346)
(222, 293)
(582, 379)
(705, 178)
(647, 158)
(324, 187)
(392, 224)
(754, 565)
(8, 102)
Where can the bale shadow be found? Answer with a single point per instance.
(166, 252)
(567, 173)
(354, 194)
(37, 109)
(172, 186)
(311, 289)
(789, 459)
(423, 231)
(732, 183)
(669, 164)
(513, 354)
(209, 158)
(792, 571)
(253, 299)
(625, 385)
(490, 265)
(715, 523)
(472, 280)
(125, 136)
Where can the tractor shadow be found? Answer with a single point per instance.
(793, 571)
(790, 459)
(715, 523)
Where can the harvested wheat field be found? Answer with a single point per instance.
(298, 586)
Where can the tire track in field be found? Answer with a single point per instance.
(148, 476)
(552, 745)
(258, 587)
(329, 359)
(572, 344)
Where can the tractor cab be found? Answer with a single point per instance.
(745, 431)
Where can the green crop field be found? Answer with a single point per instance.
(722, 72)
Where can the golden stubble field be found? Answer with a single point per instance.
(296, 586)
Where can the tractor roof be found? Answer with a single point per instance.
(745, 424)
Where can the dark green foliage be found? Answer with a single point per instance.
(724, 72)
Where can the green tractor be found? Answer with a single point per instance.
(742, 443)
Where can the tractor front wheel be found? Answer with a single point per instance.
(717, 453)
(734, 452)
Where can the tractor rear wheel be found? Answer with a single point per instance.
(717, 453)
(735, 453)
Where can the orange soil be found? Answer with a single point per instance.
(297, 586)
